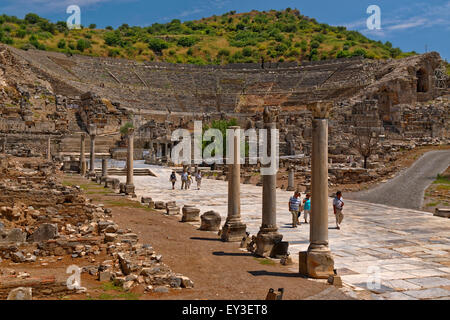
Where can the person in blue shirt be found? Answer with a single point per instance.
(295, 208)
(307, 207)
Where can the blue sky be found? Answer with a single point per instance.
(408, 24)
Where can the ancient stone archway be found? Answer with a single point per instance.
(422, 80)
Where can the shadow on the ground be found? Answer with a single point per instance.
(234, 254)
(274, 274)
(206, 239)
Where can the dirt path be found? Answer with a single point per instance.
(219, 270)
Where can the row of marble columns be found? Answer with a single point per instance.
(129, 185)
(317, 261)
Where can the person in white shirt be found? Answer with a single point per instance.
(198, 178)
(338, 205)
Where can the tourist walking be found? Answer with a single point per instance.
(338, 205)
(295, 208)
(198, 178)
(307, 208)
(184, 177)
(173, 179)
(189, 181)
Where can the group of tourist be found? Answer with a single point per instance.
(297, 206)
(186, 179)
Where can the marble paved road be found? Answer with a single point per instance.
(407, 250)
(407, 189)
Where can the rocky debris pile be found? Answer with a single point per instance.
(40, 217)
(138, 264)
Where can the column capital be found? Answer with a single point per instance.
(320, 109)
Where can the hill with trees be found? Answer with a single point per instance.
(229, 38)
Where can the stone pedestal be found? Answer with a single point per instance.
(234, 230)
(190, 214)
(269, 239)
(318, 262)
(210, 221)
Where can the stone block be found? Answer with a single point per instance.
(173, 211)
(233, 232)
(266, 242)
(146, 200)
(440, 212)
(210, 221)
(335, 280)
(320, 265)
(190, 214)
(44, 232)
(104, 276)
(302, 267)
(160, 205)
(20, 294)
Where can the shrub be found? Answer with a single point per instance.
(187, 41)
(113, 52)
(92, 26)
(62, 44)
(359, 52)
(157, 45)
(112, 38)
(83, 44)
(343, 54)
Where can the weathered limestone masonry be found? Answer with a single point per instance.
(317, 262)
(234, 229)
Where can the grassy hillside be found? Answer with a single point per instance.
(230, 38)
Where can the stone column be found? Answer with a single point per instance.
(4, 145)
(234, 229)
(82, 155)
(318, 262)
(92, 132)
(104, 167)
(268, 237)
(49, 149)
(129, 186)
(291, 183)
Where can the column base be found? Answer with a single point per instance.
(316, 264)
(270, 244)
(290, 189)
(233, 231)
(127, 189)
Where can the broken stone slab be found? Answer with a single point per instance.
(44, 232)
(190, 214)
(211, 221)
(20, 293)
